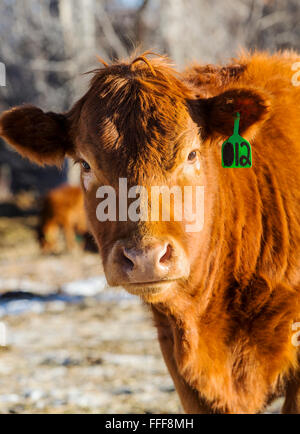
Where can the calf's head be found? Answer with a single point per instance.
(137, 130)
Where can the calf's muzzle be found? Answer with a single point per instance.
(149, 263)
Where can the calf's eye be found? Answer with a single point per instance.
(86, 167)
(192, 156)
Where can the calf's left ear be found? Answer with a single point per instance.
(219, 111)
(41, 137)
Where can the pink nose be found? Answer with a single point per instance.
(151, 260)
(147, 265)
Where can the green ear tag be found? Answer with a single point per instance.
(236, 151)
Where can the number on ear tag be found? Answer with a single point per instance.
(236, 151)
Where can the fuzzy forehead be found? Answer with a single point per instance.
(135, 113)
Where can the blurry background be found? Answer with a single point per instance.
(68, 342)
(47, 45)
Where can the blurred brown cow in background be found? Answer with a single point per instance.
(62, 209)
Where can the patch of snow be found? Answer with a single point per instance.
(16, 307)
(71, 292)
(86, 287)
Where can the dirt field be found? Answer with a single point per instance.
(79, 354)
(71, 353)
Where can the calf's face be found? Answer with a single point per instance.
(141, 139)
(146, 251)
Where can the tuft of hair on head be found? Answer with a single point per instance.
(117, 64)
(145, 60)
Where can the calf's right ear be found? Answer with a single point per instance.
(41, 137)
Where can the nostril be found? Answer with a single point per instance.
(127, 262)
(167, 255)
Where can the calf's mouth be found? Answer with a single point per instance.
(146, 288)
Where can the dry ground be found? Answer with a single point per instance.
(93, 356)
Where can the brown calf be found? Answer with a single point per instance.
(224, 298)
(62, 208)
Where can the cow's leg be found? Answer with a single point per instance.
(292, 396)
(190, 400)
(69, 236)
(50, 232)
